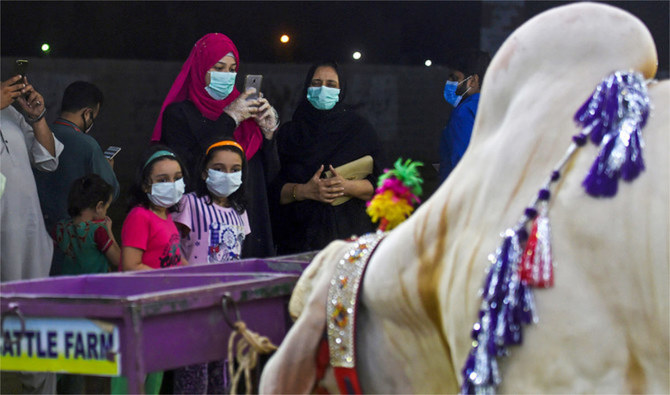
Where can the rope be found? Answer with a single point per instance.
(249, 346)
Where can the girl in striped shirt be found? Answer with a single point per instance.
(213, 220)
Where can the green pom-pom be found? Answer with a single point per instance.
(407, 173)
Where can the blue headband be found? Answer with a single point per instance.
(158, 154)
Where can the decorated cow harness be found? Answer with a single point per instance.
(613, 118)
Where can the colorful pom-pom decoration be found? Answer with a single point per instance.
(398, 190)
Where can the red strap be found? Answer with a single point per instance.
(347, 380)
(67, 123)
(322, 359)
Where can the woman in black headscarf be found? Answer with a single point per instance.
(323, 135)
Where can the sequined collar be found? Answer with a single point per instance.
(343, 293)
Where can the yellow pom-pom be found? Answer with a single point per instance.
(387, 206)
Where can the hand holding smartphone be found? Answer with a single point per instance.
(21, 67)
(111, 152)
(253, 81)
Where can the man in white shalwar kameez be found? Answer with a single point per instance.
(25, 245)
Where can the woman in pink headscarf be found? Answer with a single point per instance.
(202, 107)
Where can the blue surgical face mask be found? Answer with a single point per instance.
(223, 184)
(323, 97)
(221, 83)
(450, 92)
(166, 194)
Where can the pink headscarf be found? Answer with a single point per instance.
(190, 84)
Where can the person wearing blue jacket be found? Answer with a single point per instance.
(461, 91)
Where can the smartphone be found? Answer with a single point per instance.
(20, 67)
(111, 152)
(253, 81)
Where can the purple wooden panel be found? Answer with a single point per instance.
(284, 265)
(201, 335)
(176, 293)
(168, 317)
(94, 308)
(119, 286)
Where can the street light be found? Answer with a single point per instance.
(357, 55)
(428, 62)
(284, 38)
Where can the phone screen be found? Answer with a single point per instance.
(111, 151)
(21, 67)
(253, 81)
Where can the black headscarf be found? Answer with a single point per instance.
(315, 136)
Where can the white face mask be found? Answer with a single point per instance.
(223, 184)
(166, 194)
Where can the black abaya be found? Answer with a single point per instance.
(314, 138)
(189, 134)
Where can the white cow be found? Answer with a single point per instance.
(604, 326)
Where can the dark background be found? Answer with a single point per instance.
(134, 50)
(387, 32)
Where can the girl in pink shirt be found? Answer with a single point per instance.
(149, 237)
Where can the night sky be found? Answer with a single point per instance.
(399, 32)
(386, 32)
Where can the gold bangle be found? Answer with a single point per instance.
(293, 192)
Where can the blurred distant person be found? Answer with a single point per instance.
(462, 92)
(25, 246)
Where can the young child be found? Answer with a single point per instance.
(213, 223)
(149, 238)
(86, 240)
(212, 220)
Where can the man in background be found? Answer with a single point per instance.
(461, 91)
(25, 245)
(82, 155)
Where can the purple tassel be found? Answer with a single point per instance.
(602, 179)
(634, 163)
(614, 116)
(507, 304)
